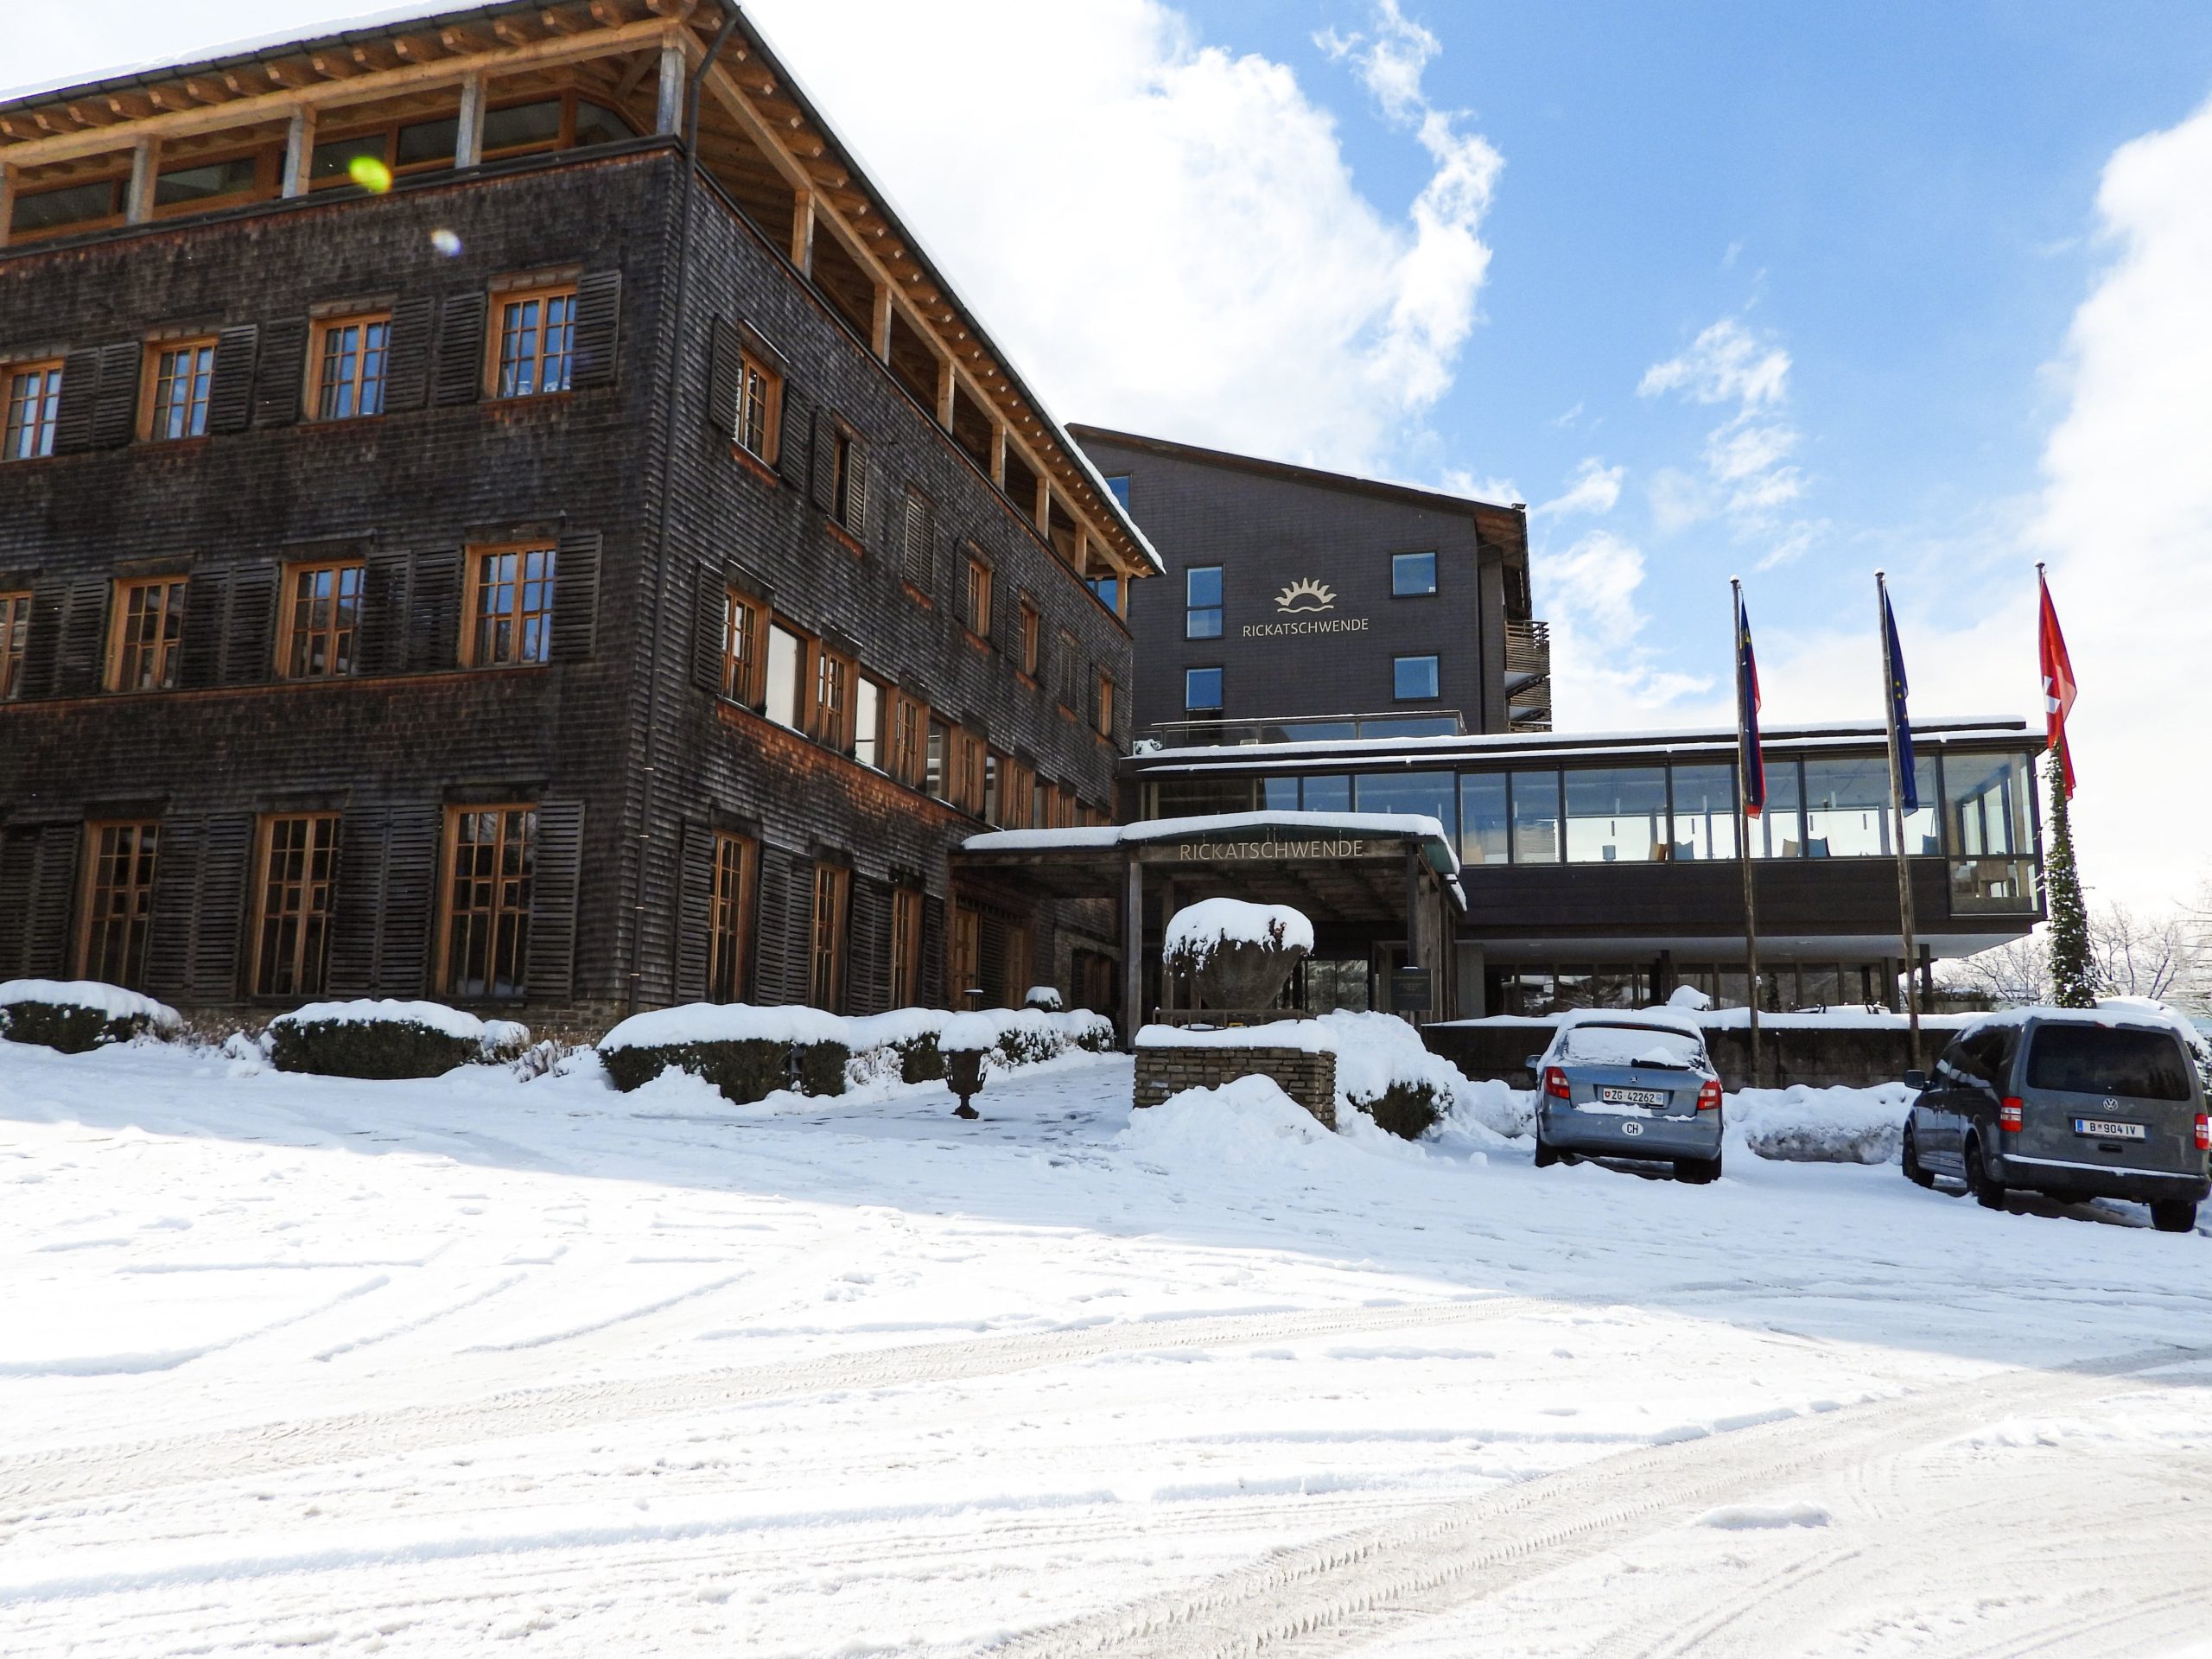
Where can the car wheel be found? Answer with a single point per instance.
(1698, 1170)
(1910, 1159)
(1546, 1156)
(1988, 1191)
(2174, 1215)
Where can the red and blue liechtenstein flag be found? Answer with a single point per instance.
(1747, 714)
(1908, 786)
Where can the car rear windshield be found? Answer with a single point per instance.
(1598, 1044)
(2097, 1060)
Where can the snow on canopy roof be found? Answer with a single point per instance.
(1420, 825)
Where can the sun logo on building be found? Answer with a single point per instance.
(1306, 595)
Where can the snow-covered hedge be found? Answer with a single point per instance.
(1804, 1125)
(1383, 1069)
(77, 1014)
(386, 1037)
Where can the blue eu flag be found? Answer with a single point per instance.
(1908, 784)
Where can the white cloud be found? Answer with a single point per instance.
(1604, 674)
(1748, 478)
(1725, 363)
(1596, 489)
(1166, 234)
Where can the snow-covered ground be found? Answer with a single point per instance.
(478, 1366)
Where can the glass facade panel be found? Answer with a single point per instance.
(1278, 794)
(1325, 794)
(1412, 573)
(1987, 797)
(522, 123)
(1431, 794)
(1921, 827)
(1413, 677)
(1615, 814)
(1202, 690)
(205, 181)
(1195, 797)
(1779, 831)
(1704, 812)
(1202, 602)
(1847, 806)
(1483, 818)
(1536, 817)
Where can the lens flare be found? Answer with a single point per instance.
(370, 174)
(445, 242)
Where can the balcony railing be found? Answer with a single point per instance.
(1529, 676)
(1305, 729)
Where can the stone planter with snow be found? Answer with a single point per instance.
(384, 1038)
(1235, 955)
(75, 1015)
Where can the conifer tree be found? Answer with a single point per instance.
(2073, 970)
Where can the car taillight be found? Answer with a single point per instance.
(1555, 1082)
(1708, 1096)
(2008, 1113)
(2203, 1133)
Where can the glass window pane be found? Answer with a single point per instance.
(1414, 676)
(785, 653)
(526, 124)
(1202, 622)
(334, 156)
(1278, 794)
(1921, 838)
(1431, 794)
(1327, 794)
(51, 209)
(1704, 812)
(1119, 483)
(1202, 585)
(1536, 817)
(867, 714)
(186, 184)
(1197, 797)
(429, 141)
(597, 125)
(1201, 688)
(1778, 832)
(1615, 814)
(1986, 798)
(1413, 573)
(1847, 806)
(1482, 818)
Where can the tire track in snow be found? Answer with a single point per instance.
(98, 1470)
(1338, 1594)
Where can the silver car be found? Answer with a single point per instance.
(2073, 1103)
(1628, 1085)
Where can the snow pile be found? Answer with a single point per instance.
(1198, 931)
(111, 1000)
(730, 1022)
(1044, 997)
(1802, 1125)
(389, 1011)
(1247, 1123)
(1490, 1110)
(973, 1032)
(1383, 1069)
(1689, 997)
(1741, 1517)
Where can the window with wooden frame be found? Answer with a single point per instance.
(996, 766)
(906, 976)
(826, 980)
(745, 622)
(204, 182)
(34, 410)
(970, 752)
(759, 408)
(1014, 979)
(848, 480)
(510, 606)
(348, 355)
(936, 762)
(1013, 796)
(869, 707)
(1071, 675)
(86, 205)
(917, 547)
(964, 955)
(909, 724)
(729, 925)
(978, 613)
(149, 624)
(293, 901)
(1102, 705)
(179, 375)
(322, 619)
(15, 639)
(785, 698)
(491, 860)
(533, 349)
(1040, 795)
(830, 706)
(1032, 637)
(119, 905)
(429, 144)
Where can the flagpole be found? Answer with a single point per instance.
(1897, 817)
(1743, 827)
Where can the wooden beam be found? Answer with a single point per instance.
(998, 449)
(331, 66)
(418, 49)
(944, 386)
(469, 136)
(515, 31)
(562, 22)
(1044, 497)
(299, 151)
(130, 105)
(378, 58)
(879, 333)
(139, 199)
(668, 112)
(7, 201)
(93, 115)
(803, 231)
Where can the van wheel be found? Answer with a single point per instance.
(1546, 1156)
(1988, 1192)
(1698, 1170)
(2174, 1215)
(1910, 1159)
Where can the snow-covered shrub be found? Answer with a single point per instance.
(77, 1014)
(919, 1059)
(746, 1052)
(1045, 999)
(1384, 1070)
(968, 1034)
(386, 1038)
(1237, 954)
(1804, 1125)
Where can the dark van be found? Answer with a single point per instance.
(2070, 1103)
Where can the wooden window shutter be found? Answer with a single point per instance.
(18, 873)
(218, 906)
(599, 319)
(282, 373)
(206, 601)
(794, 442)
(80, 395)
(460, 349)
(409, 899)
(115, 416)
(824, 475)
(248, 633)
(230, 390)
(708, 616)
(931, 992)
(83, 624)
(785, 962)
(407, 355)
(357, 910)
(868, 959)
(576, 596)
(557, 874)
(434, 609)
(694, 910)
(725, 371)
(168, 936)
(38, 895)
(856, 489)
(385, 611)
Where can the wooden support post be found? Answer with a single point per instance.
(139, 206)
(668, 113)
(1168, 987)
(802, 231)
(1043, 503)
(299, 151)
(7, 201)
(879, 333)
(998, 452)
(468, 142)
(1131, 952)
(944, 384)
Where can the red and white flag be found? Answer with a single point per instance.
(2057, 684)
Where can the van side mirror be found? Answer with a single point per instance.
(1536, 1064)
(1916, 1080)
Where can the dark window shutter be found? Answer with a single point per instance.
(794, 437)
(18, 875)
(409, 899)
(556, 871)
(80, 395)
(434, 609)
(785, 941)
(207, 599)
(247, 635)
(598, 320)
(575, 595)
(48, 944)
(932, 987)
(868, 956)
(825, 458)
(220, 914)
(856, 516)
(694, 910)
(115, 418)
(385, 611)
(708, 616)
(407, 354)
(356, 908)
(460, 349)
(725, 372)
(176, 909)
(230, 389)
(283, 372)
(84, 625)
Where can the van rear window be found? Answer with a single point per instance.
(2096, 1060)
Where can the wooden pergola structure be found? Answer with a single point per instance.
(1363, 876)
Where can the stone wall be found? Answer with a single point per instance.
(1309, 1079)
(1818, 1056)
